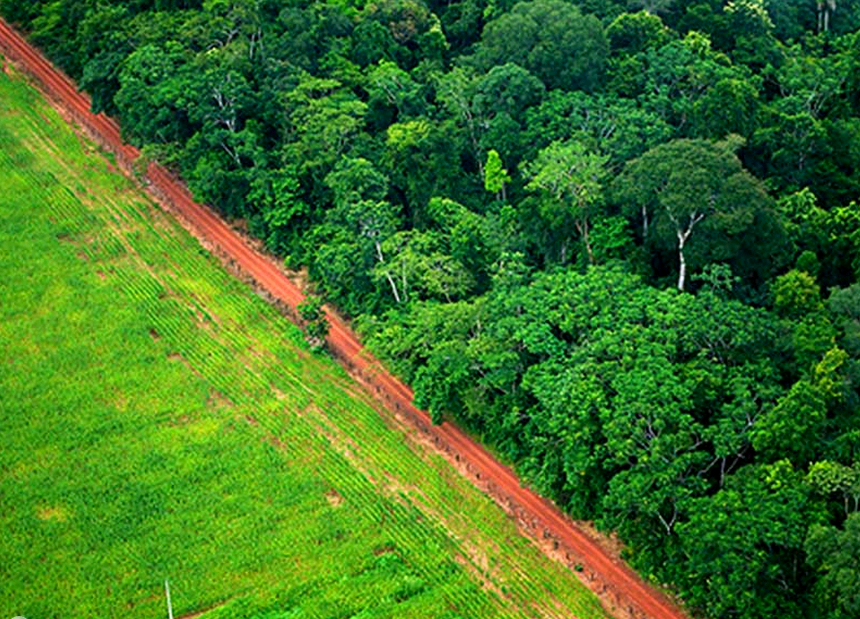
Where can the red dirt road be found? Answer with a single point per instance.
(623, 593)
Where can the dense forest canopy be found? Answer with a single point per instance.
(617, 239)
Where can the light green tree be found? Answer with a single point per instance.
(571, 179)
(495, 175)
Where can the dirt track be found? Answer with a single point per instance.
(623, 593)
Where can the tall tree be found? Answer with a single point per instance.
(572, 179)
(495, 175)
(550, 38)
(675, 188)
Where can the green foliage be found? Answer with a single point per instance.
(275, 196)
(418, 158)
(392, 93)
(834, 554)
(845, 306)
(571, 180)
(487, 108)
(315, 324)
(762, 512)
(797, 427)
(631, 33)
(679, 187)
(730, 106)
(552, 39)
(796, 294)
(831, 478)
(615, 127)
(149, 98)
(495, 176)
(324, 118)
(348, 247)
(679, 81)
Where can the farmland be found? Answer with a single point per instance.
(160, 421)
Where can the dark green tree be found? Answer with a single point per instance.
(552, 39)
(835, 554)
(684, 186)
(744, 545)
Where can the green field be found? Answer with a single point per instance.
(159, 420)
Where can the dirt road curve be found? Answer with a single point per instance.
(623, 593)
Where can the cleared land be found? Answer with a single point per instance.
(158, 421)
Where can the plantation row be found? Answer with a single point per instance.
(163, 422)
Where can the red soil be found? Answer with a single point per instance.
(622, 591)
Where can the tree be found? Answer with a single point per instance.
(552, 39)
(355, 179)
(417, 157)
(793, 134)
(730, 106)
(150, 97)
(652, 7)
(792, 18)
(53, 29)
(476, 240)
(489, 107)
(809, 332)
(677, 75)
(407, 338)
(743, 545)
(324, 118)
(631, 33)
(797, 427)
(316, 324)
(275, 195)
(507, 89)
(229, 21)
(606, 125)
(844, 304)
(411, 25)
(455, 90)
(350, 243)
(677, 186)
(348, 247)
(749, 25)
(835, 555)
(572, 179)
(105, 42)
(392, 94)
(495, 176)
(630, 400)
(419, 265)
(830, 478)
(500, 100)
(825, 9)
(796, 295)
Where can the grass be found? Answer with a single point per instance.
(159, 420)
